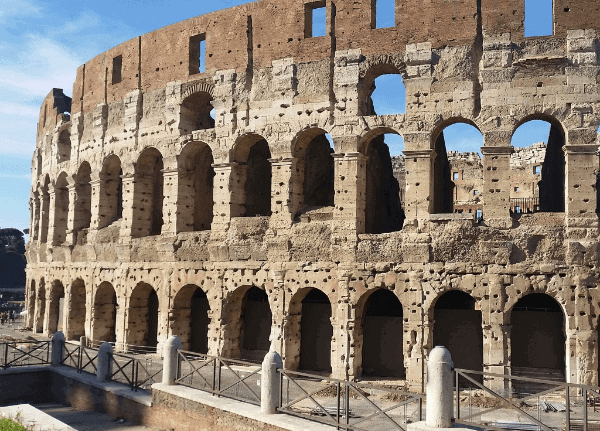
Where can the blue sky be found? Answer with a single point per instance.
(42, 43)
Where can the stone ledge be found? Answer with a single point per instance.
(33, 419)
(452, 217)
(280, 420)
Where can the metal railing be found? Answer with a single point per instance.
(347, 405)
(546, 405)
(138, 373)
(229, 378)
(524, 205)
(16, 354)
(79, 357)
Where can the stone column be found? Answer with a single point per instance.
(44, 217)
(269, 383)
(58, 340)
(417, 335)
(439, 388)
(127, 225)
(581, 167)
(170, 359)
(419, 184)
(120, 323)
(586, 349)
(51, 215)
(98, 216)
(104, 370)
(35, 217)
(495, 334)
(286, 192)
(71, 236)
(344, 363)
(496, 185)
(178, 203)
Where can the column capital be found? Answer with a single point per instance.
(581, 149)
(224, 166)
(420, 154)
(494, 151)
(350, 156)
(283, 161)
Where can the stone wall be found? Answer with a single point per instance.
(144, 236)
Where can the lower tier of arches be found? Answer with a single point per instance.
(347, 323)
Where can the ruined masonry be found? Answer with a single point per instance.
(198, 195)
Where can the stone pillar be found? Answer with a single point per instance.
(170, 359)
(496, 186)
(419, 184)
(439, 388)
(51, 215)
(270, 383)
(345, 364)
(104, 370)
(35, 217)
(71, 236)
(495, 335)
(120, 324)
(98, 216)
(228, 195)
(127, 225)
(417, 335)
(286, 192)
(581, 167)
(44, 217)
(586, 349)
(176, 217)
(58, 340)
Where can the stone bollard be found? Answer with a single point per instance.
(170, 348)
(83, 341)
(58, 340)
(269, 383)
(439, 388)
(104, 370)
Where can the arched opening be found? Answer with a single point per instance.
(458, 169)
(197, 185)
(315, 169)
(541, 185)
(76, 311)
(256, 324)
(105, 314)
(64, 146)
(143, 316)
(382, 335)
(315, 332)
(387, 95)
(149, 183)
(61, 209)
(383, 206)
(195, 112)
(537, 339)
(40, 308)
(56, 308)
(111, 192)
(458, 327)
(253, 155)
(45, 210)
(190, 318)
(83, 202)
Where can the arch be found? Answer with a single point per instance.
(83, 202)
(256, 324)
(150, 183)
(548, 184)
(538, 337)
(142, 316)
(111, 192)
(316, 331)
(195, 112)
(453, 191)
(383, 206)
(196, 186)
(61, 209)
(382, 329)
(458, 327)
(190, 317)
(63, 146)
(104, 317)
(44, 209)
(40, 308)
(76, 312)
(252, 152)
(314, 168)
(388, 69)
(55, 311)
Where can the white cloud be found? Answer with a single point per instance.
(19, 109)
(17, 8)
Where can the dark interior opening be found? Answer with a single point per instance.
(443, 185)
(258, 180)
(199, 322)
(157, 197)
(316, 332)
(152, 332)
(256, 322)
(319, 173)
(552, 184)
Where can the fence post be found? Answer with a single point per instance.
(170, 348)
(438, 412)
(269, 383)
(58, 339)
(104, 369)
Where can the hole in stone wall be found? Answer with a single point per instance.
(458, 328)
(382, 336)
(315, 19)
(387, 96)
(539, 18)
(539, 167)
(197, 113)
(458, 169)
(383, 13)
(117, 66)
(197, 58)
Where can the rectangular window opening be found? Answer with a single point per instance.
(475, 192)
(383, 13)
(455, 176)
(539, 18)
(479, 214)
(197, 54)
(117, 68)
(537, 170)
(315, 19)
(516, 189)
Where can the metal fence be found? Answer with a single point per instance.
(348, 405)
(21, 354)
(546, 405)
(137, 372)
(229, 378)
(79, 357)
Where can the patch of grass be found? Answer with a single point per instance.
(7, 424)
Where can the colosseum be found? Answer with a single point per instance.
(189, 187)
